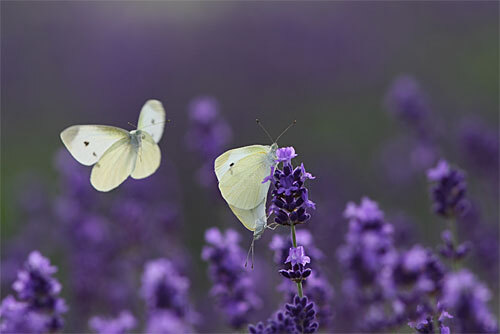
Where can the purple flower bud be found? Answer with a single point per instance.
(298, 256)
(285, 154)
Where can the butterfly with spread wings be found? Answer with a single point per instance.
(117, 153)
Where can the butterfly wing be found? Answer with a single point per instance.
(240, 173)
(226, 160)
(148, 158)
(87, 143)
(115, 165)
(152, 119)
(251, 218)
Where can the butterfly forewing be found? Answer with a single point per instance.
(148, 158)
(152, 119)
(241, 185)
(229, 158)
(116, 164)
(87, 143)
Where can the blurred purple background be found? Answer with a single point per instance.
(380, 92)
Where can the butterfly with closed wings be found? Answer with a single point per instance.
(117, 153)
(241, 172)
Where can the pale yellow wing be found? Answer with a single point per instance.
(115, 166)
(229, 158)
(241, 185)
(87, 143)
(152, 119)
(148, 157)
(250, 218)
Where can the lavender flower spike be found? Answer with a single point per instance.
(232, 288)
(466, 298)
(40, 308)
(449, 190)
(299, 318)
(290, 197)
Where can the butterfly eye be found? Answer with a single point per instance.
(231, 164)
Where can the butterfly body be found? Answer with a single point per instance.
(116, 153)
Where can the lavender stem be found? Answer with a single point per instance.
(294, 243)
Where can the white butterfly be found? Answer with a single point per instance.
(118, 153)
(240, 173)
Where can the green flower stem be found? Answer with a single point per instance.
(294, 243)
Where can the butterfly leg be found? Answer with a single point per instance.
(272, 226)
(250, 250)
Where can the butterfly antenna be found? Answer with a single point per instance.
(132, 124)
(250, 250)
(284, 131)
(263, 128)
(147, 126)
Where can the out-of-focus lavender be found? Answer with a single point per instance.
(102, 259)
(38, 308)
(466, 298)
(367, 257)
(408, 155)
(479, 146)
(449, 190)
(165, 292)
(233, 290)
(208, 135)
(122, 324)
(406, 100)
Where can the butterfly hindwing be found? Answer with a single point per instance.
(250, 218)
(148, 157)
(116, 164)
(152, 119)
(87, 143)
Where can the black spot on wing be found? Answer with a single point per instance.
(95, 155)
(86, 143)
(152, 121)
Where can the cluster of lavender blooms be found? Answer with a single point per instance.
(233, 289)
(391, 287)
(38, 308)
(290, 199)
(207, 135)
